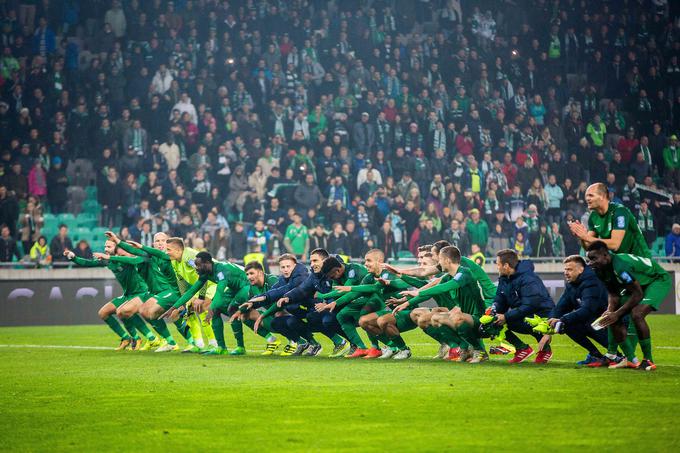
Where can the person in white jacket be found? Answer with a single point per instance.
(161, 80)
(361, 176)
(185, 106)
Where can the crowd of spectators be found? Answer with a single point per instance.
(273, 126)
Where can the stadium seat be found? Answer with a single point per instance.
(404, 254)
(91, 207)
(91, 192)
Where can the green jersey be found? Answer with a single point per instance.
(269, 281)
(227, 276)
(485, 284)
(619, 217)
(626, 269)
(298, 237)
(368, 291)
(462, 291)
(157, 271)
(442, 300)
(124, 268)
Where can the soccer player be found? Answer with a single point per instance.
(393, 324)
(643, 283)
(521, 294)
(162, 282)
(616, 226)
(182, 260)
(232, 291)
(354, 301)
(584, 300)
(260, 283)
(341, 274)
(466, 308)
(292, 325)
(300, 302)
(124, 268)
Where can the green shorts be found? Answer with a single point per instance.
(166, 299)
(404, 321)
(656, 292)
(120, 300)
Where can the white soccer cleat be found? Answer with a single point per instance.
(167, 348)
(443, 351)
(402, 355)
(387, 353)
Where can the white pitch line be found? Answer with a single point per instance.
(54, 346)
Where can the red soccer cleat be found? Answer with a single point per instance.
(522, 354)
(543, 357)
(373, 353)
(454, 354)
(358, 353)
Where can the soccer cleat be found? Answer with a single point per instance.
(453, 354)
(136, 344)
(387, 353)
(498, 350)
(341, 349)
(167, 348)
(625, 363)
(373, 353)
(215, 351)
(192, 348)
(543, 357)
(150, 344)
(443, 351)
(313, 350)
(358, 352)
(646, 365)
(288, 350)
(465, 355)
(522, 354)
(124, 344)
(301, 348)
(479, 356)
(271, 347)
(239, 350)
(402, 355)
(590, 360)
(610, 359)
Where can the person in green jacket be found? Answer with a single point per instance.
(671, 159)
(478, 229)
(596, 131)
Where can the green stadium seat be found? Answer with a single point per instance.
(91, 192)
(50, 221)
(404, 254)
(87, 220)
(91, 207)
(66, 218)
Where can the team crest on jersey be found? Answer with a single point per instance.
(620, 222)
(385, 276)
(458, 276)
(352, 273)
(220, 276)
(626, 277)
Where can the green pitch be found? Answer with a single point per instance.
(54, 398)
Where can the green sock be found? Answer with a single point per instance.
(646, 346)
(261, 331)
(612, 345)
(183, 329)
(237, 328)
(352, 334)
(162, 328)
(467, 334)
(627, 349)
(633, 336)
(398, 342)
(114, 325)
(218, 329)
(374, 341)
(142, 327)
(130, 327)
(452, 339)
(434, 333)
(337, 339)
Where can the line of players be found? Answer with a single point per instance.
(333, 298)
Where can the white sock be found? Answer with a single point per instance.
(199, 342)
(212, 342)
